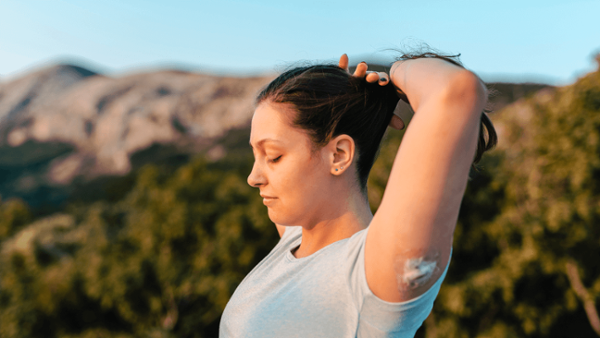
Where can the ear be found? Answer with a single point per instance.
(341, 153)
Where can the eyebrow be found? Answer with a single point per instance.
(263, 141)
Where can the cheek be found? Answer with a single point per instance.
(308, 184)
(301, 188)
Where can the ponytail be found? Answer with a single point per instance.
(329, 102)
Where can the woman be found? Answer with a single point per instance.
(338, 270)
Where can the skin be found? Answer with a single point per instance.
(419, 209)
(302, 187)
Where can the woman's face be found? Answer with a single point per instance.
(293, 180)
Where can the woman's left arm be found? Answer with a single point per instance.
(410, 237)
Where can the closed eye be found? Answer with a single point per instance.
(275, 160)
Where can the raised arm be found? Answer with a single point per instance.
(410, 237)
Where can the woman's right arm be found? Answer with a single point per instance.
(410, 237)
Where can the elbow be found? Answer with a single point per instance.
(467, 90)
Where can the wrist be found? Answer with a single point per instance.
(398, 76)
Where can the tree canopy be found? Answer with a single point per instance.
(163, 259)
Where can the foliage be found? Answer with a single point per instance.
(163, 259)
(530, 215)
(14, 214)
(162, 262)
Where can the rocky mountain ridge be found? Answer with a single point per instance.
(65, 125)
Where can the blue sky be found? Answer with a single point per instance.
(546, 41)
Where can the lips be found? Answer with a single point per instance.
(267, 199)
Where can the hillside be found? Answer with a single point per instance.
(159, 251)
(66, 131)
(64, 124)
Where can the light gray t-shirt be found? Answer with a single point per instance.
(322, 295)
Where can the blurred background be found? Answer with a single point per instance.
(124, 126)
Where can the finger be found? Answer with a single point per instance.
(344, 62)
(380, 77)
(361, 70)
(372, 77)
(383, 78)
(396, 122)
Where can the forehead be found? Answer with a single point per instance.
(271, 122)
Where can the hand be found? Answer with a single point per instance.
(361, 72)
(381, 77)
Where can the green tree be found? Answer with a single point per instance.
(162, 262)
(14, 214)
(528, 238)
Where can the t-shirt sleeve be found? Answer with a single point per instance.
(378, 318)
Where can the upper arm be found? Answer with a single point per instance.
(411, 232)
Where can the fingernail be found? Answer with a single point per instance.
(363, 62)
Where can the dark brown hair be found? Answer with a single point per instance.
(330, 102)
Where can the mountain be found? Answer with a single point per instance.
(65, 129)
(164, 256)
(65, 123)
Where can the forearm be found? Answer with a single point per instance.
(422, 80)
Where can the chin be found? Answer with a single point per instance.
(280, 219)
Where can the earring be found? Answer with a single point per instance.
(342, 167)
(336, 169)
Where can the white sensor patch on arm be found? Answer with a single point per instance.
(415, 272)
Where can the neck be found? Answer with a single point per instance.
(355, 216)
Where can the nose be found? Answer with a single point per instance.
(256, 177)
